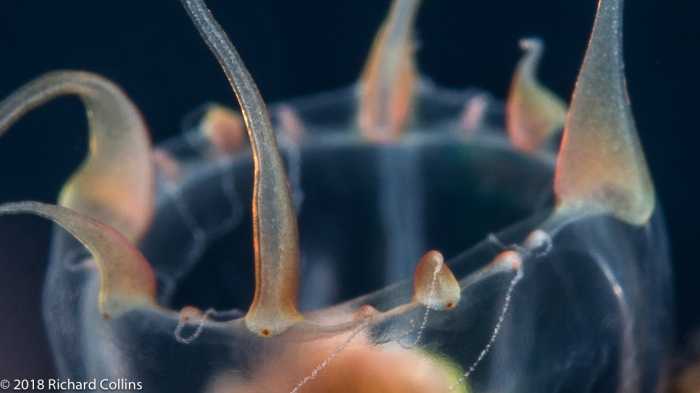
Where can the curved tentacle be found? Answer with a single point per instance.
(533, 112)
(126, 279)
(114, 185)
(274, 307)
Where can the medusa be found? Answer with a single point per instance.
(563, 298)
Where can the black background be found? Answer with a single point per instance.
(301, 47)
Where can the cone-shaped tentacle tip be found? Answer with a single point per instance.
(509, 259)
(115, 184)
(434, 285)
(601, 166)
(388, 82)
(365, 313)
(533, 112)
(274, 307)
(126, 279)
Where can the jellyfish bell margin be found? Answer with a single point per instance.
(434, 172)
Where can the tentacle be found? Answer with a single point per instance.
(533, 112)
(601, 166)
(126, 279)
(274, 307)
(434, 284)
(114, 185)
(388, 82)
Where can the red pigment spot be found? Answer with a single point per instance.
(449, 305)
(265, 333)
(365, 312)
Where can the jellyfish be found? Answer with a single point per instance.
(556, 278)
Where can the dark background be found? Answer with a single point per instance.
(301, 47)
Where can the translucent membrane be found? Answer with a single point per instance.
(532, 287)
(512, 324)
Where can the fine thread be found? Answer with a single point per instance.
(525, 251)
(333, 355)
(401, 336)
(200, 327)
(516, 247)
(229, 191)
(496, 329)
(493, 239)
(201, 236)
(424, 323)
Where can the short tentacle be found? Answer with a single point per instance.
(434, 284)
